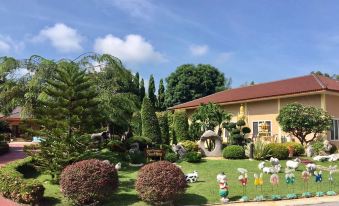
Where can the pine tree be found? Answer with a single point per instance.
(136, 81)
(161, 96)
(150, 124)
(151, 91)
(142, 90)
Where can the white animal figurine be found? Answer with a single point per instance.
(118, 166)
(261, 165)
(271, 170)
(293, 164)
(310, 167)
(192, 177)
(274, 161)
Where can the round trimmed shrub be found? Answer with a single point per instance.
(279, 151)
(190, 146)
(160, 182)
(233, 152)
(171, 157)
(89, 182)
(298, 148)
(192, 157)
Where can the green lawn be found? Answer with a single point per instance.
(203, 191)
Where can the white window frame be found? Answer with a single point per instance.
(333, 126)
(259, 129)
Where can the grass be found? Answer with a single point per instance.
(206, 189)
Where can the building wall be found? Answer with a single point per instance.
(311, 100)
(332, 107)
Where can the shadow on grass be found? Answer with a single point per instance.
(49, 201)
(191, 199)
(122, 199)
(126, 186)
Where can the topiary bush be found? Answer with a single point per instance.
(160, 182)
(150, 124)
(190, 146)
(171, 157)
(279, 151)
(14, 186)
(164, 127)
(193, 157)
(233, 152)
(298, 148)
(89, 182)
(181, 126)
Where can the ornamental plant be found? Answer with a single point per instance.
(181, 126)
(233, 152)
(150, 124)
(160, 182)
(89, 182)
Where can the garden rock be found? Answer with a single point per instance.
(330, 158)
(210, 135)
(179, 150)
(309, 151)
(327, 146)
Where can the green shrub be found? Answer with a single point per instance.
(160, 182)
(181, 126)
(279, 151)
(298, 148)
(4, 148)
(233, 152)
(171, 157)
(195, 131)
(318, 146)
(261, 150)
(193, 157)
(136, 157)
(190, 146)
(14, 186)
(89, 182)
(164, 127)
(116, 146)
(150, 124)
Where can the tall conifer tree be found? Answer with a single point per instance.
(151, 91)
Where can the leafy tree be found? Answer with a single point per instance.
(334, 76)
(136, 124)
(190, 82)
(237, 132)
(164, 127)
(150, 124)
(180, 125)
(142, 90)
(137, 82)
(151, 91)
(302, 121)
(247, 84)
(161, 96)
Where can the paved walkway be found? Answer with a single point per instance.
(16, 152)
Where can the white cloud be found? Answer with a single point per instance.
(224, 57)
(133, 49)
(64, 38)
(8, 45)
(135, 8)
(198, 50)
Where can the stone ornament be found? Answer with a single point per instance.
(210, 135)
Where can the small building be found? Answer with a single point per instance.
(14, 120)
(261, 103)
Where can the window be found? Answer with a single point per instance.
(257, 128)
(335, 129)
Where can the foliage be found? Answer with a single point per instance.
(180, 125)
(89, 181)
(31, 149)
(238, 132)
(190, 146)
(333, 76)
(161, 96)
(164, 127)
(151, 91)
(104, 154)
(301, 121)
(150, 124)
(136, 124)
(116, 146)
(4, 148)
(210, 116)
(192, 157)
(261, 150)
(233, 152)
(298, 148)
(141, 140)
(189, 82)
(142, 91)
(171, 157)
(136, 157)
(318, 146)
(4, 127)
(195, 131)
(173, 138)
(160, 181)
(14, 186)
(278, 151)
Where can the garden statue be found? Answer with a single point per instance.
(223, 187)
(128, 134)
(134, 148)
(274, 161)
(179, 150)
(243, 179)
(192, 177)
(311, 168)
(259, 181)
(309, 151)
(327, 146)
(293, 164)
(100, 137)
(330, 158)
(209, 135)
(331, 191)
(318, 179)
(306, 175)
(274, 180)
(290, 180)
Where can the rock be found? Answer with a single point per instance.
(210, 135)
(309, 151)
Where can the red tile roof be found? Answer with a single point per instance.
(14, 115)
(304, 84)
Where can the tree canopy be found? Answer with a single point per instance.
(301, 121)
(189, 82)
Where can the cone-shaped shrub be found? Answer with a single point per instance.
(181, 126)
(150, 124)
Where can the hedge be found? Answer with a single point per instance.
(181, 126)
(233, 152)
(190, 146)
(4, 148)
(164, 127)
(14, 186)
(298, 148)
(150, 124)
(279, 151)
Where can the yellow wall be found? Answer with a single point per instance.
(332, 105)
(311, 100)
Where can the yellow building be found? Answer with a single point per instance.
(262, 102)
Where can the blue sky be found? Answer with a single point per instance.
(260, 40)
